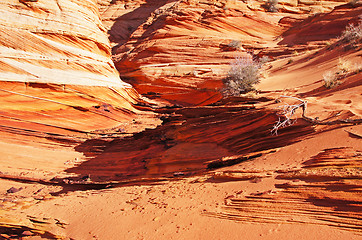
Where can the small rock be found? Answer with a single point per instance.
(27, 233)
(239, 192)
(13, 190)
(38, 191)
(255, 180)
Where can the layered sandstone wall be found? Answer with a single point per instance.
(180, 51)
(61, 42)
(58, 85)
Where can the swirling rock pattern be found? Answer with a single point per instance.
(61, 42)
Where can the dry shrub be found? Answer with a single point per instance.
(264, 60)
(354, 3)
(272, 5)
(344, 66)
(234, 44)
(330, 79)
(242, 76)
(353, 34)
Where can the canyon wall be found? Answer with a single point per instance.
(180, 51)
(58, 85)
(61, 42)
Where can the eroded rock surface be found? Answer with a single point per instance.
(179, 51)
(58, 85)
(61, 42)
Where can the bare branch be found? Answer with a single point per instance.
(288, 112)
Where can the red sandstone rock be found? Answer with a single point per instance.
(72, 132)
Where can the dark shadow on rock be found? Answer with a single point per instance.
(321, 27)
(127, 24)
(337, 204)
(186, 144)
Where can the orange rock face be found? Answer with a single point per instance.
(58, 82)
(178, 51)
(321, 27)
(55, 42)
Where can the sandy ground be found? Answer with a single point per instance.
(181, 208)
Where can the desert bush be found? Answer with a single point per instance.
(264, 59)
(344, 66)
(272, 5)
(242, 76)
(354, 3)
(234, 44)
(330, 79)
(352, 34)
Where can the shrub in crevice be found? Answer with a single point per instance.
(354, 3)
(353, 33)
(234, 45)
(271, 6)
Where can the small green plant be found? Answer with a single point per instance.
(242, 76)
(330, 79)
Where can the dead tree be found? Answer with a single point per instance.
(288, 111)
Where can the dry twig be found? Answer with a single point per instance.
(289, 111)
